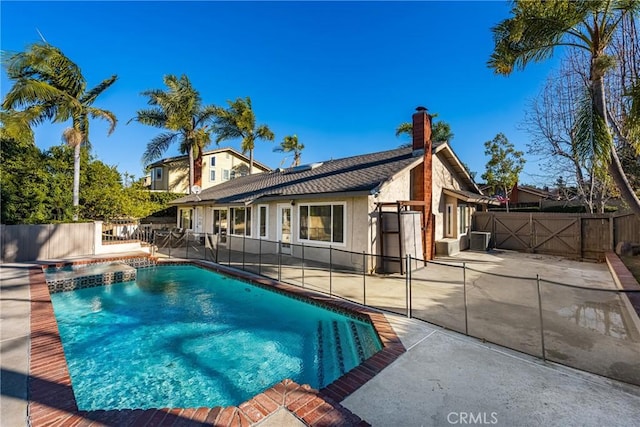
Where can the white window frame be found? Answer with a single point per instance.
(212, 174)
(266, 222)
(448, 220)
(230, 224)
(157, 174)
(463, 215)
(320, 242)
(225, 174)
(181, 215)
(223, 240)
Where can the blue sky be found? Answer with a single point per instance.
(340, 75)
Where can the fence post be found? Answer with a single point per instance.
(330, 272)
(170, 243)
(243, 250)
(302, 250)
(186, 239)
(541, 321)
(464, 293)
(279, 261)
(229, 249)
(364, 278)
(407, 279)
(260, 256)
(217, 245)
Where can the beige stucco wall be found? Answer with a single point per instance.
(356, 209)
(223, 161)
(175, 175)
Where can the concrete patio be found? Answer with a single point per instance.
(443, 378)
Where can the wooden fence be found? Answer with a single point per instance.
(583, 236)
(46, 241)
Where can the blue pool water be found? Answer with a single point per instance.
(182, 336)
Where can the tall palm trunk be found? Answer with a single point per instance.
(76, 181)
(191, 169)
(615, 167)
(251, 162)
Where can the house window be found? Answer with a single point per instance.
(185, 218)
(263, 220)
(448, 219)
(322, 223)
(240, 221)
(212, 174)
(225, 174)
(212, 161)
(220, 224)
(463, 219)
(157, 174)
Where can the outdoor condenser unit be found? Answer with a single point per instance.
(479, 240)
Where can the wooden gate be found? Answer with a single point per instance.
(583, 236)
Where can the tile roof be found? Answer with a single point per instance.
(355, 174)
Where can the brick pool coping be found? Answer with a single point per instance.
(52, 402)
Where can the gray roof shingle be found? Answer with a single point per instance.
(348, 175)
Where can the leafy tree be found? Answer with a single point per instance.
(291, 144)
(25, 189)
(15, 127)
(239, 121)
(504, 165)
(536, 28)
(35, 187)
(49, 86)
(178, 109)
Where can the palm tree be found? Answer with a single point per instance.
(289, 144)
(441, 131)
(49, 86)
(239, 121)
(532, 33)
(178, 109)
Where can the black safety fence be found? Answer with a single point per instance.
(592, 329)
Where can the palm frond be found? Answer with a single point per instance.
(158, 146)
(405, 128)
(535, 30)
(592, 137)
(90, 96)
(97, 113)
(263, 132)
(152, 117)
(26, 92)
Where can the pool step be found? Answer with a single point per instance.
(355, 333)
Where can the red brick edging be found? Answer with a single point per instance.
(52, 402)
(624, 279)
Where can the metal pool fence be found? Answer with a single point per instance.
(592, 329)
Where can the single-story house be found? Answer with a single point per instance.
(338, 202)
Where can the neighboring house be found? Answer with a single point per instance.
(338, 202)
(523, 195)
(218, 166)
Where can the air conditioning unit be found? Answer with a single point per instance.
(479, 240)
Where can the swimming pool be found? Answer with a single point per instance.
(183, 336)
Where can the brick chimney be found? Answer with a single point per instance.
(423, 177)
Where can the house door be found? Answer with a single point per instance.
(284, 228)
(199, 219)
